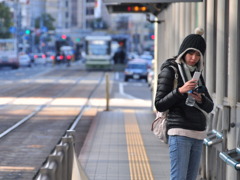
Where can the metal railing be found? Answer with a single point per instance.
(219, 123)
(232, 158)
(61, 163)
(213, 137)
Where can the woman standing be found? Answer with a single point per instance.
(186, 123)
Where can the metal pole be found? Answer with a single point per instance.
(156, 60)
(107, 92)
(232, 76)
(221, 53)
(210, 46)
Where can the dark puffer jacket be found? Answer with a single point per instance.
(167, 98)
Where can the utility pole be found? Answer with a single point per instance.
(17, 22)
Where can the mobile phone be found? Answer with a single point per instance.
(196, 75)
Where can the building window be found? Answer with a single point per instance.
(89, 24)
(90, 11)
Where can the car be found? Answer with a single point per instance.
(136, 69)
(50, 56)
(148, 58)
(39, 58)
(150, 78)
(25, 60)
(132, 55)
(65, 55)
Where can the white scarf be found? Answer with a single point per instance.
(189, 77)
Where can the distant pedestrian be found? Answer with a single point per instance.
(119, 56)
(186, 124)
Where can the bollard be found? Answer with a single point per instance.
(68, 141)
(43, 175)
(63, 149)
(71, 133)
(51, 167)
(107, 92)
(54, 162)
(57, 157)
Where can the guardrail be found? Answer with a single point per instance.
(232, 158)
(62, 163)
(212, 167)
(213, 137)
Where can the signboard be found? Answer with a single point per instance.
(147, 1)
(128, 8)
(98, 9)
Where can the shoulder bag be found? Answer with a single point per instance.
(159, 125)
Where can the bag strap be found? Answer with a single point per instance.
(175, 77)
(195, 105)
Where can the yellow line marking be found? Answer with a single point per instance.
(138, 160)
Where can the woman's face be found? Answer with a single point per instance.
(192, 57)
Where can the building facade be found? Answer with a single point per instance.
(220, 20)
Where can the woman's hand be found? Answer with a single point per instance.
(197, 96)
(189, 85)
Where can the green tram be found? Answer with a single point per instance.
(98, 52)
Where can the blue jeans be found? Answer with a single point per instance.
(185, 156)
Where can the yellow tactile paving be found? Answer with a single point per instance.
(138, 159)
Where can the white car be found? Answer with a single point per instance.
(148, 58)
(150, 78)
(25, 60)
(40, 58)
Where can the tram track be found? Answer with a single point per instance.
(43, 127)
(40, 107)
(19, 90)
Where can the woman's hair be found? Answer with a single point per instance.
(188, 52)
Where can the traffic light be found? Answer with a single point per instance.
(136, 8)
(121, 43)
(64, 37)
(27, 31)
(152, 36)
(78, 39)
(128, 8)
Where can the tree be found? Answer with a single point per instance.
(5, 21)
(46, 20)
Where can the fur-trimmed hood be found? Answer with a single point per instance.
(200, 64)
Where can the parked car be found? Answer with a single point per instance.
(136, 69)
(24, 60)
(39, 58)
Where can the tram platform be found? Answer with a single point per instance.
(121, 146)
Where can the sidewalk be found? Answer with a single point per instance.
(121, 146)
